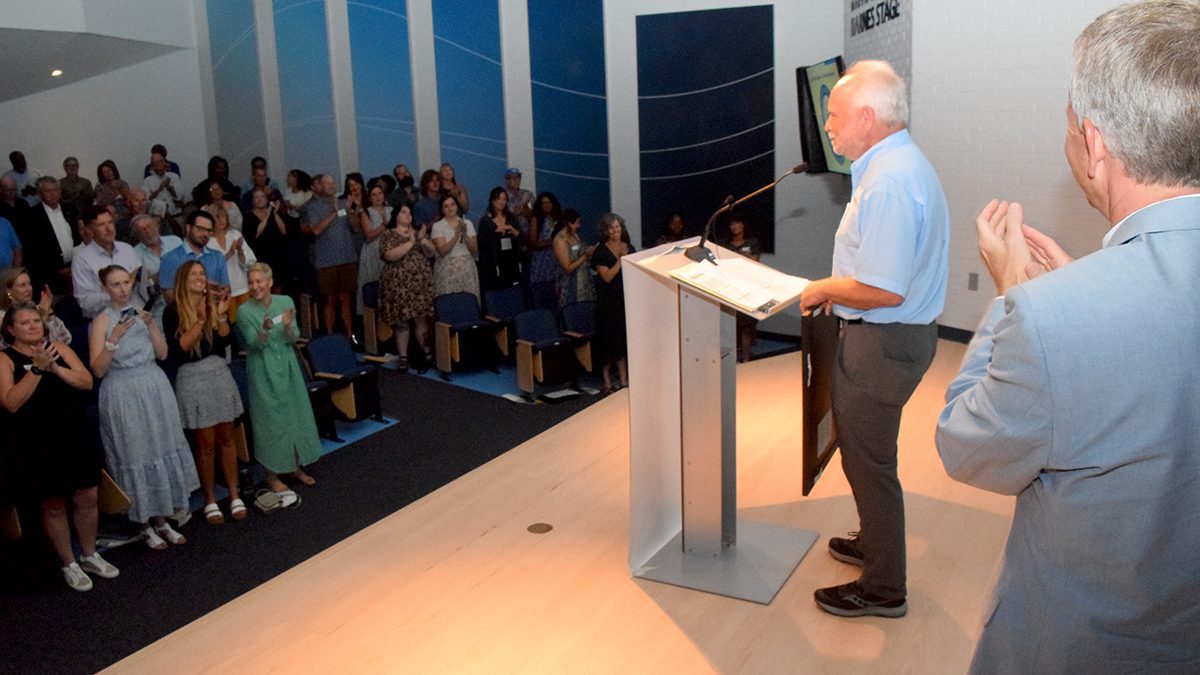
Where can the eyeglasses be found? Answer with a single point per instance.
(202, 228)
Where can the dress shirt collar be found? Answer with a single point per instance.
(1180, 214)
(894, 140)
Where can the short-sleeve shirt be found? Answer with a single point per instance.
(9, 243)
(337, 244)
(443, 229)
(213, 262)
(895, 232)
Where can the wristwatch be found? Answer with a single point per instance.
(36, 371)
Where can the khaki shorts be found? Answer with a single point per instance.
(339, 279)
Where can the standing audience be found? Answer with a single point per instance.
(143, 437)
(610, 340)
(574, 277)
(50, 451)
(499, 244)
(150, 250)
(76, 189)
(18, 290)
(196, 326)
(456, 245)
(543, 269)
(285, 431)
(267, 233)
(103, 251)
(406, 283)
(238, 258)
(332, 223)
(372, 221)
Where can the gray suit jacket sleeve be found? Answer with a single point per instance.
(996, 431)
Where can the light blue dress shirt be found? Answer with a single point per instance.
(895, 232)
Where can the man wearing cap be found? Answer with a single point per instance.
(519, 201)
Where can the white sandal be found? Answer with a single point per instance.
(237, 509)
(153, 540)
(170, 535)
(212, 513)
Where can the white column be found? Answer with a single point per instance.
(426, 126)
(212, 139)
(268, 76)
(620, 67)
(518, 92)
(337, 25)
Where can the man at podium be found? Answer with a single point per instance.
(888, 287)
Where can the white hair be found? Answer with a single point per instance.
(877, 86)
(1137, 78)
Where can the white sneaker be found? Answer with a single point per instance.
(94, 564)
(76, 577)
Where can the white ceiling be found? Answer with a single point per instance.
(28, 56)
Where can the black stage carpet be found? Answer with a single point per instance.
(442, 432)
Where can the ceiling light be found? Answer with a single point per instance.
(55, 73)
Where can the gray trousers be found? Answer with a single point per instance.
(878, 367)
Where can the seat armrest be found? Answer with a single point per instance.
(330, 376)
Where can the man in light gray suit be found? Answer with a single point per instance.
(1080, 393)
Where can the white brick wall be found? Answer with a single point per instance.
(890, 41)
(989, 89)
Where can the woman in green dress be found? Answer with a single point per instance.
(285, 432)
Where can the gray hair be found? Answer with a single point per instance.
(878, 87)
(45, 180)
(1137, 78)
(608, 219)
(138, 219)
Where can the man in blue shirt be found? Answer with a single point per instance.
(199, 229)
(888, 286)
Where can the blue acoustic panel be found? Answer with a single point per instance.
(470, 94)
(706, 109)
(305, 88)
(383, 102)
(233, 43)
(570, 119)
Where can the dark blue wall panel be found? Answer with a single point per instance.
(383, 102)
(470, 94)
(706, 106)
(305, 89)
(234, 46)
(570, 119)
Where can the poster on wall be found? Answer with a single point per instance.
(814, 84)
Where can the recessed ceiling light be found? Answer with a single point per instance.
(55, 73)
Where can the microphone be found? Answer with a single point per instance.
(700, 251)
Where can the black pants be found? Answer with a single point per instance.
(878, 367)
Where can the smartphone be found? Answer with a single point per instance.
(128, 312)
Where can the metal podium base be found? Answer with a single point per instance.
(755, 569)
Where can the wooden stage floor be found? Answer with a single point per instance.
(456, 583)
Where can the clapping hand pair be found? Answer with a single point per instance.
(1013, 251)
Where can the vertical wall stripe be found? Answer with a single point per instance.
(212, 137)
(268, 72)
(518, 97)
(337, 23)
(424, 82)
(620, 62)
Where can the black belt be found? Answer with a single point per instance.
(852, 321)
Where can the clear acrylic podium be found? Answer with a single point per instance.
(683, 526)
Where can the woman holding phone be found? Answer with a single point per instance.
(139, 418)
(285, 431)
(197, 330)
